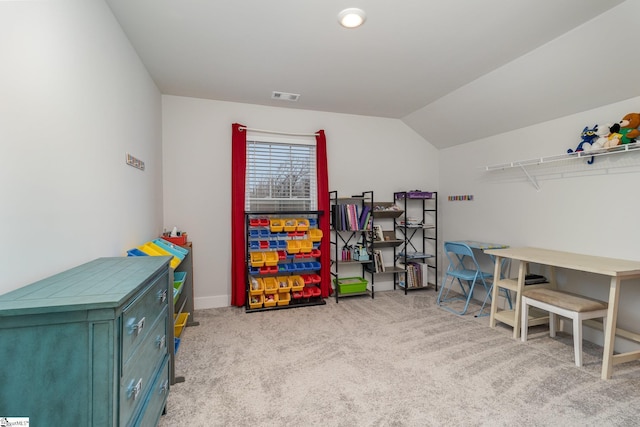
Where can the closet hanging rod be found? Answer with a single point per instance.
(277, 132)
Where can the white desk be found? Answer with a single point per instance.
(617, 269)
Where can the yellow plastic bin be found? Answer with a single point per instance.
(284, 285)
(306, 246)
(270, 300)
(256, 286)
(256, 301)
(290, 224)
(302, 224)
(271, 258)
(315, 234)
(257, 259)
(152, 249)
(284, 298)
(293, 246)
(276, 225)
(179, 323)
(297, 283)
(270, 285)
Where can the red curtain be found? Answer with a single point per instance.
(323, 205)
(238, 244)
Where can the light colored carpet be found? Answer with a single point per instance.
(394, 360)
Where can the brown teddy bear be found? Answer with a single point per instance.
(629, 128)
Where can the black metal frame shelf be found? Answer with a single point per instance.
(425, 232)
(342, 239)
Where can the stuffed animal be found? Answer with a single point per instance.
(602, 141)
(588, 136)
(629, 128)
(602, 132)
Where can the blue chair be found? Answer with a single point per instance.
(504, 266)
(464, 270)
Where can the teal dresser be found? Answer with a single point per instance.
(88, 346)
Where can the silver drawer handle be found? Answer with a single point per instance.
(162, 341)
(164, 387)
(162, 296)
(134, 390)
(136, 327)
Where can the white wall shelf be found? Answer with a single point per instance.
(522, 164)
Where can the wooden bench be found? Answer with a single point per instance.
(575, 307)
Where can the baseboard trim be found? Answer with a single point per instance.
(202, 303)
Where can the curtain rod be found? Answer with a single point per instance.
(276, 132)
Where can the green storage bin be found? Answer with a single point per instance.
(351, 285)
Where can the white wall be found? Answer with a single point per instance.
(590, 209)
(364, 153)
(74, 98)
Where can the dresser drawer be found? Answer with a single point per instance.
(156, 400)
(139, 315)
(141, 369)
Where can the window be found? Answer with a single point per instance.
(281, 176)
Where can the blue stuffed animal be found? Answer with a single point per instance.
(588, 137)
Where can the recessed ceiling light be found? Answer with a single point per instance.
(352, 17)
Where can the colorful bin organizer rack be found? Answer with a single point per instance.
(283, 260)
(160, 247)
(163, 247)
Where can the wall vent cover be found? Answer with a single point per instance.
(284, 96)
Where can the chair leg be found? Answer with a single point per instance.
(577, 339)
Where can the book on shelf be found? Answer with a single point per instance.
(350, 217)
(378, 261)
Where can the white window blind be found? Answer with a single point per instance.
(281, 176)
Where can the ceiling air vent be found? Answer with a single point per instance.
(284, 96)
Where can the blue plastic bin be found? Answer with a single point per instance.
(135, 252)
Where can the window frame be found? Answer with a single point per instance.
(312, 200)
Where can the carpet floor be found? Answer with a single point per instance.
(394, 360)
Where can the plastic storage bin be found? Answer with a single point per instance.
(349, 285)
(284, 285)
(270, 300)
(178, 283)
(293, 246)
(256, 301)
(171, 248)
(302, 224)
(179, 323)
(270, 285)
(276, 225)
(257, 259)
(415, 194)
(154, 250)
(315, 234)
(284, 298)
(256, 286)
(297, 283)
(135, 252)
(180, 240)
(290, 224)
(271, 258)
(306, 246)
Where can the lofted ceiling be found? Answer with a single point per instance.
(453, 70)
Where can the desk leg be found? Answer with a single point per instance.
(495, 291)
(522, 272)
(610, 329)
